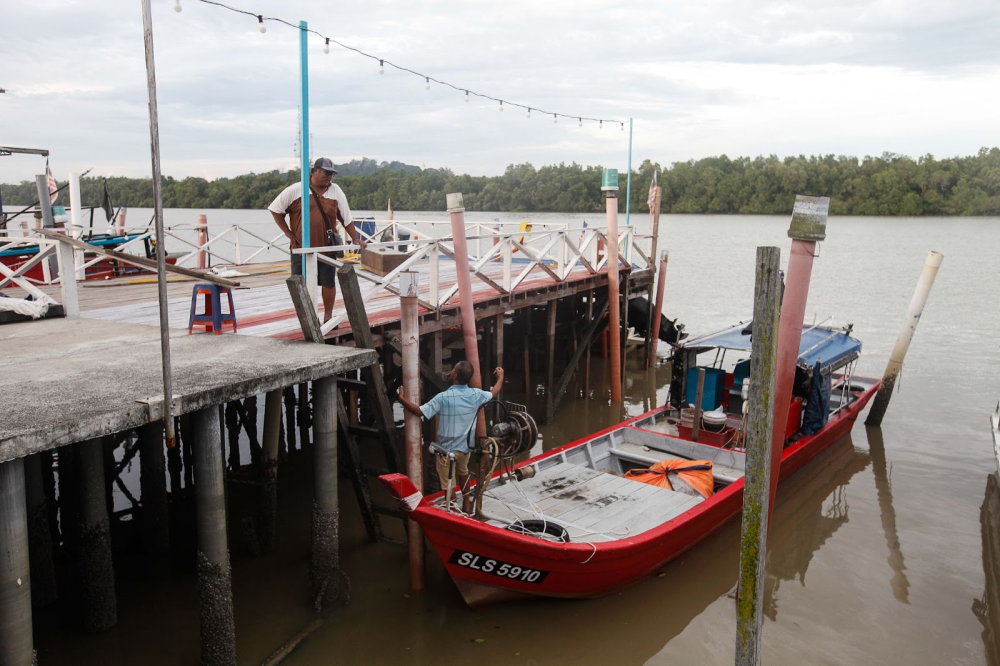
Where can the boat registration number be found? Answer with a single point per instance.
(496, 567)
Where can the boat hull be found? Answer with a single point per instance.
(490, 564)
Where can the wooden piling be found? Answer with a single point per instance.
(303, 416)
(588, 346)
(760, 421)
(97, 573)
(215, 592)
(16, 647)
(498, 338)
(267, 491)
(895, 365)
(696, 424)
(550, 336)
(654, 337)
(324, 569)
(437, 353)
(289, 392)
(153, 489)
(410, 334)
(614, 303)
(43, 571)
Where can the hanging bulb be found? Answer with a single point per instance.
(177, 6)
(261, 27)
(581, 121)
(466, 96)
(555, 118)
(381, 67)
(501, 106)
(529, 112)
(427, 85)
(623, 127)
(326, 47)
(600, 124)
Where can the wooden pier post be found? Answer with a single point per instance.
(756, 491)
(498, 338)
(808, 227)
(654, 337)
(324, 569)
(43, 571)
(267, 493)
(215, 590)
(410, 334)
(97, 573)
(16, 647)
(303, 416)
(202, 239)
(289, 392)
(589, 345)
(895, 365)
(437, 353)
(550, 335)
(456, 210)
(614, 302)
(153, 489)
(696, 423)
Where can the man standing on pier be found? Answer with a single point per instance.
(456, 410)
(327, 205)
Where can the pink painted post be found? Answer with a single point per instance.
(121, 224)
(202, 239)
(457, 211)
(614, 307)
(807, 228)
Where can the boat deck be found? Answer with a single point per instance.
(592, 505)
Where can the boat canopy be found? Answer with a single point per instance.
(834, 348)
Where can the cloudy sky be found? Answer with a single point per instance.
(699, 77)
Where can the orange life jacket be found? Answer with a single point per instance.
(697, 473)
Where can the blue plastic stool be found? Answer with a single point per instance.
(213, 318)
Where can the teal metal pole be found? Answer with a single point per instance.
(304, 134)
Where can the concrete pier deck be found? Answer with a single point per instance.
(73, 379)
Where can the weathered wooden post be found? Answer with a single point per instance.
(895, 365)
(699, 394)
(324, 569)
(43, 571)
(267, 493)
(609, 184)
(550, 335)
(202, 239)
(654, 337)
(457, 211)
(808, 227)
(756, 499)
(215, 590)
(153, 489)
(410, 333)
(16, 647)
(97, 572)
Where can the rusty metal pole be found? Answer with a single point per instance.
(808, 227)
(654, 338)
(457, 211)
(410, 334)
(760, 414)
(895, 365)
(610, 185)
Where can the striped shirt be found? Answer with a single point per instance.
(456, 409)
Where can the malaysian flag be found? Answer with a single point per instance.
(50, 179)
(583, 232)
(651, 199)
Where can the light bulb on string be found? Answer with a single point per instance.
(555, 118)
(427, 84)
(600, 124)
(261, 27)
(381, 67)
(501, 106)
(581, 121)
(326, 47)
(623, 127)
(466, 96)
(177, 6)
(529, 112)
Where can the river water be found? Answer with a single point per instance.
(875, 556)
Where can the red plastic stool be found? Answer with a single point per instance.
(213, 319)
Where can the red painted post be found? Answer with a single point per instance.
(614, 306)
(202, 239)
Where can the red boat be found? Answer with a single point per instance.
(571, 522)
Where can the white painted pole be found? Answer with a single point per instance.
(895, 365)
(76, 222)
(409, 282)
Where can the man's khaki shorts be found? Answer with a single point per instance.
(461, 468)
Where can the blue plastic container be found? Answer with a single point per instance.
(714, 391)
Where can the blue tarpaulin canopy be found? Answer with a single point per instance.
(834, 348)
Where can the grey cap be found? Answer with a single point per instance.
(326, 164)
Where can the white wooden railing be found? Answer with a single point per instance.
(46, 249)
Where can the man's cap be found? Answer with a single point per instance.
(326, 164)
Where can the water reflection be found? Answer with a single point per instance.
(900, 584)
(987, 607)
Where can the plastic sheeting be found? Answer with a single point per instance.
(33, 309)
(833, 347)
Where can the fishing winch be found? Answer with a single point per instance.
(513, 432)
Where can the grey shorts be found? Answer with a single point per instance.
(327, 273)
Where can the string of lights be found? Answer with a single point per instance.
(383, 63)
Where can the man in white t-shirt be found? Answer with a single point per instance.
(327, 205)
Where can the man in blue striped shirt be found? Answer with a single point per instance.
(456, 410)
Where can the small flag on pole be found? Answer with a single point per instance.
(651, 199)
(109, 210)
(50, 179)
(583, 232)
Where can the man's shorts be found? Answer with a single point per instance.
(327, 273)
(461, 468)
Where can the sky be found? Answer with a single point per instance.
(698, 77)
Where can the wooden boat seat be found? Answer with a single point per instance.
(592, 505)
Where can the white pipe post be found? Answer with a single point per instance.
(76, 222)
(409, 283)
(895, 365)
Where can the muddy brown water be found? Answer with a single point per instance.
(876, 552)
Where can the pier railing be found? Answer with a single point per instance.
(52, 257)
(557, 252)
